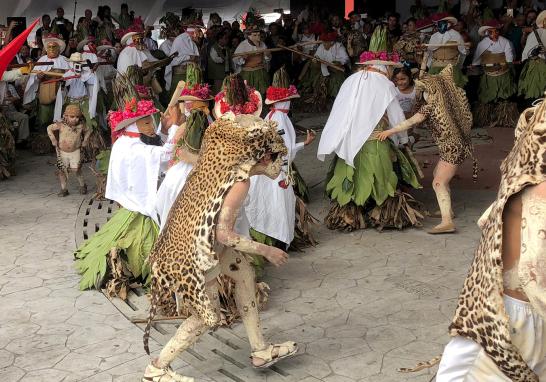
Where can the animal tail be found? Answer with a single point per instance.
(474, 169)
(421, 365)
(154, 301)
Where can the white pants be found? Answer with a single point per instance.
(465, 361)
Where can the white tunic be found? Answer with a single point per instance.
(33, 83)
(166, 46)
(133, 172)
(130, 56)
(246, 46)
(502, 45)
(271, 209)
(532, 42)
(336, 53)
(439, 38)
(186, 49)
(360, 104)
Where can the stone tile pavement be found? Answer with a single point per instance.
(360, 304)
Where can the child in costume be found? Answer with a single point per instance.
(446, 107)
(199, 243)
(365, 176)
(73, 134)
(271, 205)
(133, 171)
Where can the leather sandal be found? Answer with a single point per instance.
(449, 228)
(284, 350)
(156, 374)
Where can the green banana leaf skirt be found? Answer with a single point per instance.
(532, 80)
(258, 79)
(496, 88)
(131, 232)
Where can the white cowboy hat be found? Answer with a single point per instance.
(52, 38)
(217, 113)
(127, 36)
(540, 19)
(82, 43)
(76, 57)
(449, 19)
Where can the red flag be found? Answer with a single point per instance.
(10, 50)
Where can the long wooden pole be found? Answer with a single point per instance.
(242, 54)
(333, 66)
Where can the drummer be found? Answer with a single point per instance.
(47, 92)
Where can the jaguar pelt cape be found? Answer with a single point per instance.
(185, 249)
(448, 114)
(480, 314)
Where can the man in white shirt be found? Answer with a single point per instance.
(186, 48)
(252, 66)
(532, 80)
(447, 47)
(494, 54)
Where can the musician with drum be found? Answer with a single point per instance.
(53, 65)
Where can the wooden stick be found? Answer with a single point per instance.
(145, 320)
(278, 49)
(177, 91)
(448, 44)
(333, 66)
(51, 74)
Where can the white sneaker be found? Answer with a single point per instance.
(155, 374)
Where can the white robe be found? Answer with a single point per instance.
(450, 35)
(85, 86)
(502, 45)
(360, 104)
(336, 52)
(270, 208)
(166, 46)
(133, 173)
(243, 47)
(33, 83)
(186, 49)
(532, 42)
(130, 56)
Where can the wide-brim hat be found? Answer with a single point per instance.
(540, 19)
(488, 26)
(187, 97)
(127, 36)
(292, 89)
(444, 17)
(53, 38)
(84, 42)
(252, 29)
(270, 102)
(217, 113)
(424, 23)
(129, 121)
(381, 62)
(76, 57)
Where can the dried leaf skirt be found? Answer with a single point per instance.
(131, 234)
(369, 193)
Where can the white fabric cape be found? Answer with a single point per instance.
(270, 208)
(133, 173)
(360, 104)
(184, 45)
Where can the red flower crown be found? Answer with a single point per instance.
(132, 109)
(275, 94)
(197, 90)
(383, 56)
(249, 107)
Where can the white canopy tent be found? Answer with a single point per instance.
(150, 10)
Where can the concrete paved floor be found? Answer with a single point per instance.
(360, 304)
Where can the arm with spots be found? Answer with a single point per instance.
(226, 235)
